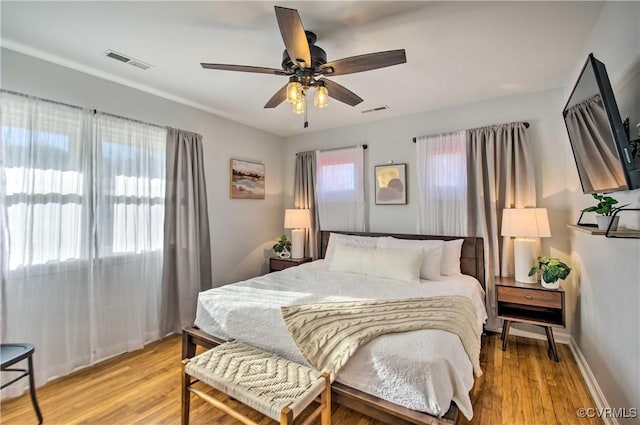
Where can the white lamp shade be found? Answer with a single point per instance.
(526, 223)
(297, 219)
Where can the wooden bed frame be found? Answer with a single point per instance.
(471, 263)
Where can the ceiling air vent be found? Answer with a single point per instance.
(140, 65)
(126, 59)
(379, 108)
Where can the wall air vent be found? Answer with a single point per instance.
(126, 59)
(379, 108)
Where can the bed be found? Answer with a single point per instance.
(417, 377)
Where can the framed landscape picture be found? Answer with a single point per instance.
(247, 180)
(391, 184)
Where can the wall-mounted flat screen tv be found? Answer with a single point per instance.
(605, 158)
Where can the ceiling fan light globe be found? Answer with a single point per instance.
(298, 108)
(321, 98)
(294, 92)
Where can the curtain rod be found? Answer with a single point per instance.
(55, 102)
(130, 119)
(346, 147)
(526, 125)
(336, 149)
(95, 111)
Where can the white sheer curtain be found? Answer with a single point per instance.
(83, 271)
(47, 283)
(340, 189)
(442, 184)
(129, 181)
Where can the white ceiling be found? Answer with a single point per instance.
(457, 52)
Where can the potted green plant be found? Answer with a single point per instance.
(551, 269)
(282, 246)
(605, 209)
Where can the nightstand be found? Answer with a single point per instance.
(530, 303)
(277, 264)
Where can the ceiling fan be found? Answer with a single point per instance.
(306, 66)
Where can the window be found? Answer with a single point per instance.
(44, 172)
(68, 171)
(340, 189)
(338, 177)
(131, 169)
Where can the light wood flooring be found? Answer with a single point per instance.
(520, 386)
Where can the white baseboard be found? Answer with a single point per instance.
(590, 380)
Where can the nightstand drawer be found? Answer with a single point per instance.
(281, 264)
(277, 264)
(540, 298)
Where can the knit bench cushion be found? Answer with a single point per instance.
(261, 380)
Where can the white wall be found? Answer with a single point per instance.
(606, 322)
(242, 231)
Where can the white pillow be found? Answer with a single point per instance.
(431, 254)
(351, 240)
(451, 257)
(397, 264)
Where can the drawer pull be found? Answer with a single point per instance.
(528, 297)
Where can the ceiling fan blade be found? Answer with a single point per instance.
(364, 62)
(242, 68)
(293, 35)
(341, 93)
(277, 98)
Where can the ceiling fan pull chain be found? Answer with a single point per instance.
(306, 123)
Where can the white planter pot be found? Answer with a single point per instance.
(550, 285)
(284, 254)
(603, 222)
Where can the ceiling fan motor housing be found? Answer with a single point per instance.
(318, 56)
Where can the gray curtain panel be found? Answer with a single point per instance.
(598, 162)
(304, 196)
(500, 175)
(187, 247)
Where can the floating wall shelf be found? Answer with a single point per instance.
(620, 233)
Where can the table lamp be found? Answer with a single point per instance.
(299, 220)
(526, 224)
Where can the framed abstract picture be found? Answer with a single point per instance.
(391, 184)
(247, 179)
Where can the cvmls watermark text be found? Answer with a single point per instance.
(607, 412)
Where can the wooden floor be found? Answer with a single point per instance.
(520, 386)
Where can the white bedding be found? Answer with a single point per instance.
(422, 370)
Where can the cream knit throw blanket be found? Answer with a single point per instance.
(328, 334)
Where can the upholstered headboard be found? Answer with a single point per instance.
(471, 257)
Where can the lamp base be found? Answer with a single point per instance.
(297, 243)
(524, 253)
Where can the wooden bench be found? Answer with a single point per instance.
(276, 387)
